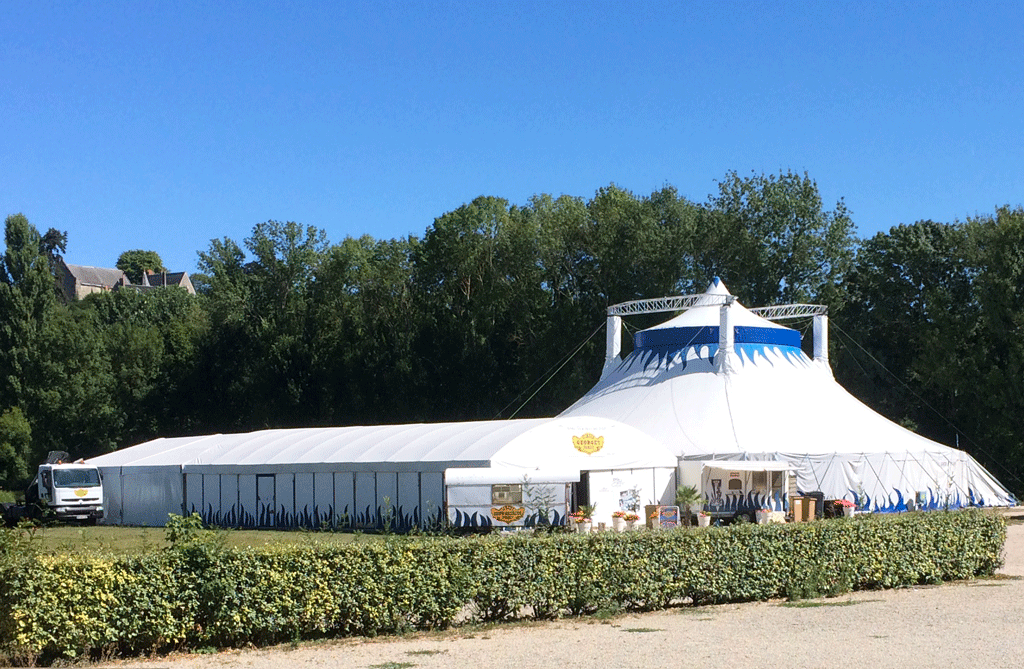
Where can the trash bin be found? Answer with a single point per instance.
(819, 503)
(803, 507)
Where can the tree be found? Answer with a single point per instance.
(137, 262)
(15, 443)
(366, 315)
(152, 342)
(912, 307)
(27, 296)
(769, 236)
(258, 355)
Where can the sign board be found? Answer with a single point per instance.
(663, 517)
(668, 516)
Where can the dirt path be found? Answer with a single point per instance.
(963, 625)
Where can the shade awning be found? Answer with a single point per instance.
(748, 465)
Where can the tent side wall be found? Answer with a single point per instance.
(141, 495)
(323, 498)
(629, 490)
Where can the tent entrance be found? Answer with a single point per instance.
(580, 493)
(266, 500)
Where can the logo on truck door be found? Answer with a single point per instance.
(588, 443)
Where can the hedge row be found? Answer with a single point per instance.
(199, 594)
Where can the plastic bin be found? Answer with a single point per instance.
(819, 502)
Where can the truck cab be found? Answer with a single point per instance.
(73, 491)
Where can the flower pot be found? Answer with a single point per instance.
(703, 521)
(630, 525)
(762, 516)
(583, 527)
(848, 511)
(618, 524)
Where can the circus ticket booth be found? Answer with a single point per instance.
(740, 488)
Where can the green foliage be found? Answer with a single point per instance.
(15, 442)
(929, 336)
(540, 499)
(198, 594)
(185, 530)
(137, 262)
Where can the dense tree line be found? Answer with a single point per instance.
(470, 320)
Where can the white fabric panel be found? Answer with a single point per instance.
(664, 487)
(194, 491)
(112, 511)
(248, 508)
(344, 495)
(431, 494)
(304, 494)
(229, 498)
(366, 497)
(612, 490)
(149, 495)
(387, 487)
(551, 446)
(211, 492)
(408, 494)
(469, 495)
(748, 465)
(323, 497)
(284, 486)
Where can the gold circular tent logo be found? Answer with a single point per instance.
(588, 443)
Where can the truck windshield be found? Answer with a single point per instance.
(76, 478)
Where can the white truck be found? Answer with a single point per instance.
(71, 491)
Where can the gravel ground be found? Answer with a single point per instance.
(962, 625)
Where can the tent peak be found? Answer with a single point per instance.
(717, 287)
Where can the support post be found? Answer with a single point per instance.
(821, 339)
(613, 343)
(726, 339)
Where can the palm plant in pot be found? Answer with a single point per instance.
(686, 496)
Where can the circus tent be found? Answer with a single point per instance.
(723, 382)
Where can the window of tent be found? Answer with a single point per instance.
(507, 493)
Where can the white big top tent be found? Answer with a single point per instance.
(721, 382)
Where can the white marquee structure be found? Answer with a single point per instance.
(722, 382)
(400, 475)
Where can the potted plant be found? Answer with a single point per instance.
(846, 505)
(686, 496)
(631, 519)
(584, 517)
(619, 521)
(703, 519)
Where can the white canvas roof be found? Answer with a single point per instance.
(774, 403)
(512, 444)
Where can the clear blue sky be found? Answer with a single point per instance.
(162, 125)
